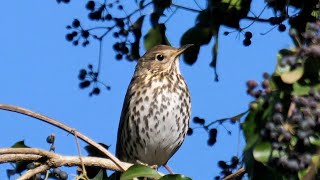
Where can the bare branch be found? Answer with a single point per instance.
(54, 160)
(240, 172)
(66, 128)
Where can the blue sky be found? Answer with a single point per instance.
(39, 71)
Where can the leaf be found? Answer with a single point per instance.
(262, 152)
(238, 117)
(292, 76)
(315, 140)
(175, 177)
(139, 171)
(99, 176)
(155, 36)
(198, 36)
(214, 58)
(20, 144)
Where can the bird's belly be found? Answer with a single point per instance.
(160, 130)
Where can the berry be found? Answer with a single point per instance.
(96, 91)
(90, 5)
(190, 131)
(76, 23)
(50, 139)
(198, 120)
(56, 171)
(248, 35)
(119, 56)
(108, 17)
(282, 27)
(63, 175)
(69, 37)
(85, 34)
(246, 42)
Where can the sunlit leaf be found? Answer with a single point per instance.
(139, 171)
(292, 76)
(315, 139)
(262, 152)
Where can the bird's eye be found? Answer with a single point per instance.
(160, 57)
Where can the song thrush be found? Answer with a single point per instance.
(156, 110)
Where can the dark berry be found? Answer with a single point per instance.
(96, 91)
(211, 141)
(277, 118)
(120, 7)
(63, 175)
(282, 27)
(76, 23)
(50, 139)
(223, 165)
(84, 84)
(251, 84)
(69, 37)
(293, 164)
(85, 34)
(119, 56)
(190, 131)
(248, 35)
(76, 42)
(108, 17)
(278, 107)
(198, 120)
(226, 33)
(246, 42)
(56, 171)
(90, 5)
(266, 75)
(265, 84)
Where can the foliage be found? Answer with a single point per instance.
(282, 127)
(208, 21)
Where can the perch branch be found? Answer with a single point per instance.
(66, 128)
(53, 160)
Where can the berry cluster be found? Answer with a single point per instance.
(88, 77)
(56, 172)
(226, 169)
(257, 93)
(99, 12)
(278, 21)
(247, 38)
(78, 33)
(290, 136)
(211, 132)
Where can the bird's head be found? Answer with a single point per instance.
(161, 58)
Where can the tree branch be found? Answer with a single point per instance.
(20, 110)
(53, 160)
(240, 172)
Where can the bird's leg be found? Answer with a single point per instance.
(168, 169)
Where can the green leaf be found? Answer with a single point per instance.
(139, 171)
(262, 152)
(238, 117)
(315, 139)
(155, 36)
(175, 177)
(198, 36)
(233, 4)
(20, 144)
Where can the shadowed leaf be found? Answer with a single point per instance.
(139, 171)
(175, 177)
(155, 36)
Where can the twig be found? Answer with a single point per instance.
(84, 172)
(54, 160)
(32, 172)
(122, 166)
(240, 172)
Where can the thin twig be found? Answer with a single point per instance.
(240, 172)
(185, 8)
(53, 122)
(29, 174)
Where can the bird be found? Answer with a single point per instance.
(156, 110)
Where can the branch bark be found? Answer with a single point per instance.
(20, 110)
(53, 160)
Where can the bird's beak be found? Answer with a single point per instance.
(182, 49)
